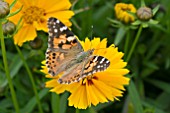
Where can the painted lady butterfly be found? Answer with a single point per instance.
(65, 54)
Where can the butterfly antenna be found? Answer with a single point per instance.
(91, 36)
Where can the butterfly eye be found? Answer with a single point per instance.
(91, 52)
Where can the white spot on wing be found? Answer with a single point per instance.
(70, 38)
(89, 73)
(50, 34)
(98, 66)
(94, 71)
(102, 60)
(63, 28)
(55, 30)
(57, 21)
(107, 61)
(95, 59)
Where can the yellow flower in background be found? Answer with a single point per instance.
(35, 14)
(100, 87)
(121, 10)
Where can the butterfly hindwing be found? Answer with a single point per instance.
(93, 65)
(96, 64)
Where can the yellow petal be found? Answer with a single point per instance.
(83, 102)
(63, 16)
(93, 98)
(26, 33)
(116, 71)
(59, 88)
(75, 97)
(54, 5)
(111, 78)
(100, 96)
(104, 89)
(120, 64)
(41, 26)
(27, 3)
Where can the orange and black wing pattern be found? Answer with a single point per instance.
(62, 46)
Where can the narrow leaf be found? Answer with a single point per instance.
(134, 96)
(55, 102)
(119, 35)
(32, 103)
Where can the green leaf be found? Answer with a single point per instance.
(13, 3)
(163, 100)
(146, 103)
(135, 98)
(63, 102)
(160, 84)
(5, 103)
(114, 21)
(14, 67)
(137, 22)
(32, 103)
(18, 26)
(81, 10)
(102, 106)
(145, 25)
(155, 10)
(120, 35)
(151, 21)
(55, 102)
(16, 12)
(88, 110)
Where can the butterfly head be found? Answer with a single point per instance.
(90, 52)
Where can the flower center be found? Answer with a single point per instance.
(32, 14)
(88, 80)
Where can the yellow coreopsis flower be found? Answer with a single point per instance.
(122, 14)
(99, 87)
(35, 14)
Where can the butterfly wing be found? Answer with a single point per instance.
(62, 46)
(90, 66)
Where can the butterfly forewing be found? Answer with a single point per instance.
(62, 46)
(60, 36)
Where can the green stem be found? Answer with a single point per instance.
(31, 78)
(134, 43)
(127, 43)
(143, 3)
(91, 110)
(77, 111)
(14, 99)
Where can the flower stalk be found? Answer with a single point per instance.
(134, 43)
(14, 99)
(127, 42)
(31, 78)
(77, 111)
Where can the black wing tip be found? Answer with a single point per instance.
(52, 19)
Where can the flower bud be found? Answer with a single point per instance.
(4, 9)
(36, 43)
(8, 28)
(144, 13)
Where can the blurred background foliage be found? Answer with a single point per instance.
(149, 65)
